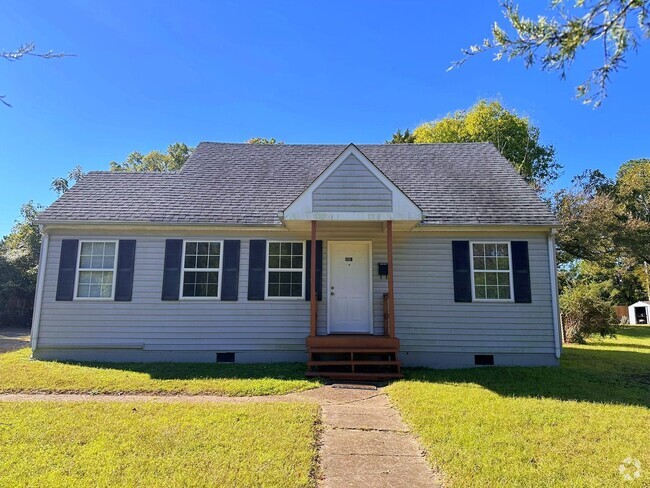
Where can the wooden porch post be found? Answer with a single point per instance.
(313, 303)
(391, 292)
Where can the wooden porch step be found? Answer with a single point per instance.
(355, 362)
(340, 375)
(349, 350)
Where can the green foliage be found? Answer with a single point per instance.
(177, 155)
(263, 140)
(587, 311)
(62, 184)
(607, 221)
(399, 138)
(19, 254)
(615, 26)
(514, 136)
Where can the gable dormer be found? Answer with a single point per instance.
(352, 188)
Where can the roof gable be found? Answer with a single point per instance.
(352, 188)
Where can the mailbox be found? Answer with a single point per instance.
(382, 269)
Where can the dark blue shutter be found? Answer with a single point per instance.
(125, 264)
(67, 269)
(520, 271)
(257, 269)
(462, 271)
(172, 270)
(230, 270)
(319, 271)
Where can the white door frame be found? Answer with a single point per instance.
(329, 289)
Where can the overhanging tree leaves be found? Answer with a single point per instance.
(514, 136)
(616, 27)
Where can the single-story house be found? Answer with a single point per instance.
(356, 259)
(639, 313)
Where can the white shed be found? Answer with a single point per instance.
(639, 313)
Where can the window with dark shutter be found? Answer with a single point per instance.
(257, 269)
(230, 279)
(172, 269)
(462, 271)
(67, 269)
(125, 267)
(521, 271)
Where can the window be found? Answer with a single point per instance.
(491, 271)
(286, 265)
(201, 269)
(96, 269)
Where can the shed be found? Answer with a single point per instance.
(639, 313)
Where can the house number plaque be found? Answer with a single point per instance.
(348, 259)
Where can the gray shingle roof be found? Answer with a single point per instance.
(249, 184)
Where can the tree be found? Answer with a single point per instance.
(605, 233)
(19, 254)
(27, 50)
(399, 138)
(586, 311)
(177, 155)
(616, 27)
(62, 184)
(263, 140)
(514, 136)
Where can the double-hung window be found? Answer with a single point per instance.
(96, 269)
(285, 269)
(201, 276)
(491, 271)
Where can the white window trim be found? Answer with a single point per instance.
(510, 272)
(303, 270)
(76, 279)
(183, 269)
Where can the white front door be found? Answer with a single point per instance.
(349, 304)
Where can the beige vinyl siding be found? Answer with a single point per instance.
(427, 318)
(352, 188)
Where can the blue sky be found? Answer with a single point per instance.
(147, 74)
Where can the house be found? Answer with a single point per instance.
(639, 313)
(359, 259)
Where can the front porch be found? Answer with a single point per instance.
(353, 356)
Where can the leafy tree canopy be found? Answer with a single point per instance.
(606, 223)
(514, 136)
(616, 27)
(176, 156)
(399, 138)
(263, 140)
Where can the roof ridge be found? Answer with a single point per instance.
(335, 144)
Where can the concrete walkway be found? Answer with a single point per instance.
(364, 441)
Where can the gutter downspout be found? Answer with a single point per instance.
(40, 284)
(557, 322)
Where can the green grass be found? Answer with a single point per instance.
(566, 426)
(156, 444)
(20, 374)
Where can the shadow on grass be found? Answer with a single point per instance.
(205, 371)
(620, 377)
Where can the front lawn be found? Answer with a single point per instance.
(20, 374)
(156, 444)
(567, 426)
